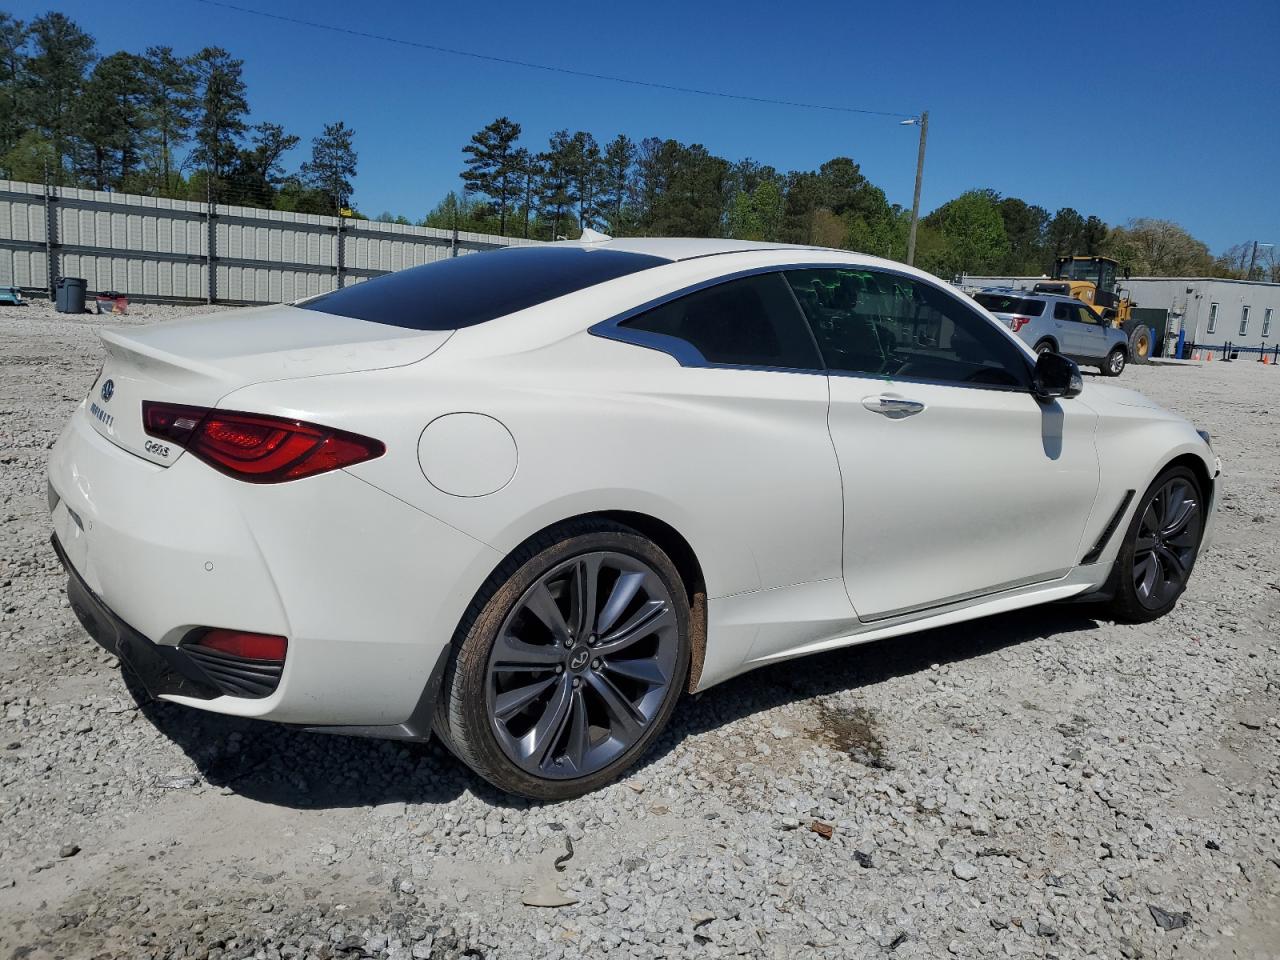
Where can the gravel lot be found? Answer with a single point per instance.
(1041, 784)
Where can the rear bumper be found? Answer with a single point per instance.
(367, 589)
(162, 670)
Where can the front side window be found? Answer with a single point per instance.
(1244, 320)
(748, 322)
(1213, 317)
(885, 325)
(1266, 322)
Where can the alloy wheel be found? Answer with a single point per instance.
(1167, 539)
(582, 665)
(1117, 363)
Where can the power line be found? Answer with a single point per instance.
(653, 84)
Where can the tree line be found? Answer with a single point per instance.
(658, 187)
(166, 124)
(157, 123)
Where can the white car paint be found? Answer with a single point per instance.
(816, 521)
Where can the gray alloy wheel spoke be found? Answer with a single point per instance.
(513, 701)
(586, 577)
(624, 591)
(625, 719)
(578, 742)
(1144, 544)
(646, 670)
(1145, 575)
(544, 734)
(1178, 518)
(571, 686)
(650, 618)
(543, 606)
(514, 654)
(1171, 562)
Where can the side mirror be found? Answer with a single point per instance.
(1055, 376)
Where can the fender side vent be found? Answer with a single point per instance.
(1108, 531)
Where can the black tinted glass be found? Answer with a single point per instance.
(1003, 303)
(748, 322)
(887, 325)
(463, 291)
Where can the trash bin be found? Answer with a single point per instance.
(69, 295)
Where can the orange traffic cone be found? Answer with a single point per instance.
(1208, 356)
(1265, 361)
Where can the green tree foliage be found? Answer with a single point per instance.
(259, 172)
(110, 123)
(973, 229)
(14, 113)
(332, 165)
(491, 167)
(616, 172)
(61, 56)
(221, 108)
(170, 83)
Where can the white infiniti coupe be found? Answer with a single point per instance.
(524, 499)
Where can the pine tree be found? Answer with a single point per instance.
(332, 165)
(584, 170)
(13, 81)
(556, 180)
(491, 168)
(110, 122)
(616, 184)
(527, 169)
(220, 111)
(171, 108)
(56, 72)
(258, 172)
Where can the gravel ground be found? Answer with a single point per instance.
(1040, 784)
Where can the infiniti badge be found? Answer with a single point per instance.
(108, 390)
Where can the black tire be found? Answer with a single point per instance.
(1140, 341)
(466, 717)
(1046, 346)
(1173, 553)
(1114, 365)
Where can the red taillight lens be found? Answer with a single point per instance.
(241, 643)
(1017, 323)
(257, 448)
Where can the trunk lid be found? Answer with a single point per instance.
(199, 360)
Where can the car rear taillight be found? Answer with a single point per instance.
(254, 447)
(1017, 323)
(243, 644)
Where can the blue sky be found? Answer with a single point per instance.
(1178, 118)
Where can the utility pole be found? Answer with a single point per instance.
(923, 123)
(1253, 258)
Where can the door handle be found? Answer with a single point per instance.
(893, 406)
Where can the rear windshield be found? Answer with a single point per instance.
(1003, 303)
(470, 289)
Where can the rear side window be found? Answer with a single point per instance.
(749, 322)
(467, 290)
(1002, 303)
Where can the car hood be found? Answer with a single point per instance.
(1108, 399)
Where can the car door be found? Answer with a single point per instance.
(1091, 330)
(1067, 328)
(957, 482)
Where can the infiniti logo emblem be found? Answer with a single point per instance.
(108, 390)
(579, 659)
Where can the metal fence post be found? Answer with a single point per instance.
(340, 257)
(50, 236)
(211, 242)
